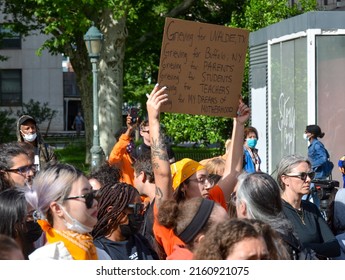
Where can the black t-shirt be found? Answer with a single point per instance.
(312, 230)
(135, 248)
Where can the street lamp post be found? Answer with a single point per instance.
(93, 40)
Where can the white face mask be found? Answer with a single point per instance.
(76, 225)
(30, 137)
(305, 136)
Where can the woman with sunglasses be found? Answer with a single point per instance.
(16, 166)
(66, 209)
(120, 216)
(294, 175)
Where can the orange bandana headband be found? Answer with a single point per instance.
(183, 169)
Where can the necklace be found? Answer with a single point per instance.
(300, 214)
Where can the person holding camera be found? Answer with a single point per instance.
(122, 152)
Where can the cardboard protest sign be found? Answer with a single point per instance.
(202, 65)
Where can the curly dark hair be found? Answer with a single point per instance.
(116, 196)
(106, 174)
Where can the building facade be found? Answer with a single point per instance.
(45, 78)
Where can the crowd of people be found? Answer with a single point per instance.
(143, 204)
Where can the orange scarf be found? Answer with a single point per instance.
(79, 245)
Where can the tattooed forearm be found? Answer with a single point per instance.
(159, 193)
(158, 150)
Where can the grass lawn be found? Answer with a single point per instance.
(74, 153)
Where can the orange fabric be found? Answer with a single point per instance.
(166, 237)
(120, 157)
(183, 169)
(217, 195)
(79, 245)
(180, 253)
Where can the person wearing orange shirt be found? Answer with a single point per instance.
(121, 154)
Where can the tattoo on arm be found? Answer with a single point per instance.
(158, 152)
(159, 193)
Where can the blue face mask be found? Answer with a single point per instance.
(251, 142)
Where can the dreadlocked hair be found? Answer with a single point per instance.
(116, 196)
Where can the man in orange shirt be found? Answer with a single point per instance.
(121, 154)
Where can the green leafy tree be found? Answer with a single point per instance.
(257, 14)
(140, 23)
(132, 29)
(7, 127)
(36, 110)
(199, 129)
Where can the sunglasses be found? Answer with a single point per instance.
(138, 208)
(203, 181)
(23, 169)
(89, 197)
(303, 175)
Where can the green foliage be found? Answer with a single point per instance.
(39, 112)
(196, 153)
(66, 21)
(196, 128)
(257, 14)
(74, 154)
(7, 127)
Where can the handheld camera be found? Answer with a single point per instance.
(134, 113)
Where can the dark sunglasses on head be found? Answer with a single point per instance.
(89, 197)
(303, 175)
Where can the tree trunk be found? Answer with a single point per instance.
(110, 82)
(82, 67)
(110, 79)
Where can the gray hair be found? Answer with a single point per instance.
(262, 197)
(53, 183)
(286, 164)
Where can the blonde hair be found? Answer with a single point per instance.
(54, 183)
(227, 145)
(215, 165)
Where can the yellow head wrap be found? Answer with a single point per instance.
(183, 169)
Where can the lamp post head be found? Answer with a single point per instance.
(93, 41)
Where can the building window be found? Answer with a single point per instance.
(11, 87)
(9, 39)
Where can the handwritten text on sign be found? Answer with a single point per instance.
(202, 65)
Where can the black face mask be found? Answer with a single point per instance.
(33, 231)
(133, 226)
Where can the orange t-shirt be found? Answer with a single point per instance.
(166, 236)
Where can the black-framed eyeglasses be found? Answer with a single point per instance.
(89, 197)
(203, 180)
(303, 175)
(138, 208)
(23, 169)
(145, 131)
